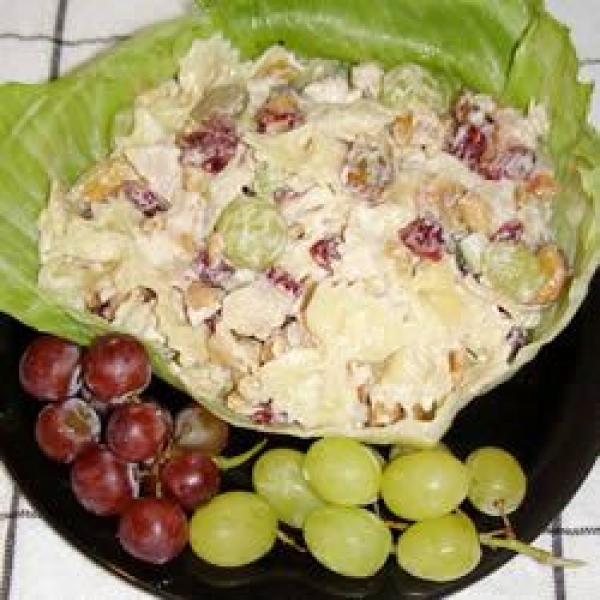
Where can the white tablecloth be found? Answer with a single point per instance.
(41, 39)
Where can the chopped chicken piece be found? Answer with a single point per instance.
(257, 309)
(159, 166)
(224, 348)
(201, 302)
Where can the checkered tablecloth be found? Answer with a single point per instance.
(40, 39)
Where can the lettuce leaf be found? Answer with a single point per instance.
(545, 70)
(54, 131)
(471, 40)
(512, 49)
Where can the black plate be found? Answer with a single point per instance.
(546, 416)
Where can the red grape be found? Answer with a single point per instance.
(64, 430)
(116, 366)
(190, 478)
(138, 431)
(154, 530)
(197, 428)
(50, 367)
(101, 482)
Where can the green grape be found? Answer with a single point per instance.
(401, 449)
(233, 529)
(230, 99)
(424, 484)
(413, 88)
(348, 540)
(440, 549)
(513, 269)
(254, 233)
(278, 477)
(498, 483)
(342, 471)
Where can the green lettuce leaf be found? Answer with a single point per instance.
(511, 49)
(54, 131)
(545, 69)
(473, 41)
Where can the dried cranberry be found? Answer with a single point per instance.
(264, 415)
(280, 113)
(516, 163)
(325, 251)
(511, 231)
(212, 146)
(215, 272)
(470, 144)
(474, 144)
(273, 122)
(284, 280)
(424, 237)
(143, 198)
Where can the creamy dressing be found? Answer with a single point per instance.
(353, 325)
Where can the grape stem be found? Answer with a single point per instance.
(290, 541)
(541, 556)
(396, 525)
(509, 530)
(225, 463)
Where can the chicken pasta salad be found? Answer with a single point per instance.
(323, 245)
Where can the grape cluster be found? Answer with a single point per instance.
(337, 494)
(160, 474)
(129, 456)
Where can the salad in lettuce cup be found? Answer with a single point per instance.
(514, 52)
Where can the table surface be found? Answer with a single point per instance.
(43, 38)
